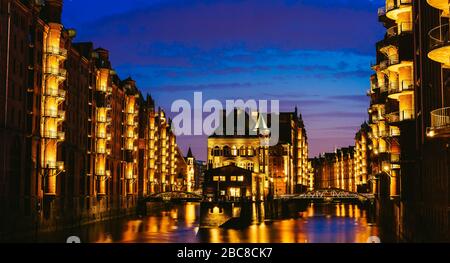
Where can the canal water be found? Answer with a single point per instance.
(180, 223)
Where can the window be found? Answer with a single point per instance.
(235, 192)
(233, 178)
(242, 151)
(217, 151)
(226, 151)
(216, 178)
(234, 151)
(223, 178)
(222, 192)
(250, 151)
(250, 166)
(240, 178)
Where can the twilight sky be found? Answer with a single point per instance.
(315, 54)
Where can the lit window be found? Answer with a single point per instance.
(250, 166)
(240, 178)
(233, 178)
(250, 151)
(223, 178)
(216, 178)
(222, 192)
(235, 192)
(234, 151)
(242, 151)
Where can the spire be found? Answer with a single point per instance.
(190, 155)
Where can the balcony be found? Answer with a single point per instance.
(440, 4)
(56, 51)
(58, 93)
(406, 87)
(52, 113)
(440, 123)
(396, 7)
(395, 158)
(405, 27)
(102, 172)
(104, 119)
(56, 72)
(54, 165)
(440, 44)
(103, 135)
(394, 132)
(400, 116)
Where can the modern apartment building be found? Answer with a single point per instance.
(409, 119)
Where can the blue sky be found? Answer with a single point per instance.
(314, 54)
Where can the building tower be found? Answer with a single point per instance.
(190, 171)
(131, 121)
(103, 120)
(53, 96)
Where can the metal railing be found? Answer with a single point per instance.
(439, 36)
(55, 92)
(440, 118)
(395, 4)
(55, 71)
(406, 85)
(58, 51)
(54, 165)
(400, 116)
(399, 29)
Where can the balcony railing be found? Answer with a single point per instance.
(50, 134)
(440, 118)
(439, 38)
(54, 165)
(400, 116)
(394, 132)
(395, 158)
(104, 119)
(55, 93)
(396, 4)
(406, 85)
(52, 113)
(55, 71)
(399, 29)
(57, 51)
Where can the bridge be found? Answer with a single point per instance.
(174, 197)
(328, 195)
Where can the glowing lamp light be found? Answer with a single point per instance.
(386, 168)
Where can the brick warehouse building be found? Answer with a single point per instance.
(78, 143)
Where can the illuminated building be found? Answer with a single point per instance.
(79, 144)
(244, 151)
(191, 170)
(279, 169)
(362, 160)
(409, 120)
(335, 170)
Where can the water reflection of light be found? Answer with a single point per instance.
(132, 230)
(319, 223)
(190, 214)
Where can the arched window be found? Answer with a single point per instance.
(226, 151)
(234, 151)
(250, 151)
(217, 151)
(242, 151)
